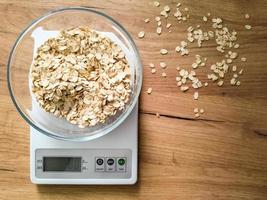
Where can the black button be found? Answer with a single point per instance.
(110, 161)
(100, 161)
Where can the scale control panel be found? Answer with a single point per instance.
(111, 164)
(83, 163)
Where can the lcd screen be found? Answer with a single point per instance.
(62, 164)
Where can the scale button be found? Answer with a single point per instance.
(111, 165)
(121, 161)
(110, 161)
(121, 166)
(100, 161)
(99, 165)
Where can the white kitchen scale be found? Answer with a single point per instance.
(110, 159)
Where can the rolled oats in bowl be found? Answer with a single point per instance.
(81, 76)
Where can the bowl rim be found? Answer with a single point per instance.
(120, 27)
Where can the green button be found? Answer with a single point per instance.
(121, 161)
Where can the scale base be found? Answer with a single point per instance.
(121, 144)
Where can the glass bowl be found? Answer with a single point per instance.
(21, 57)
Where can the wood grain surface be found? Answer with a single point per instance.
(222, 155)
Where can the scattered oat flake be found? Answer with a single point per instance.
(157, 115)
(184, 88)
(247, 16)
(194, 65)
(157, 19)
(162, 65)
(220, 83)
(178, 78)
(196, 96)
(147, 20)
(233, 81)
(178, 49)
(164, 74)
(229, 61)
(225, 39)
(234, 68)
(168, 25)
(163, 51)
(153, 71)
(183, 73)
(141, 34)
(248, 27)
(190, 29)
(197, 115)
(233, 55)
(243, 59)
(158, 30)
(156, 4)
(149, 90)
(164, 13)
(193, 73)
(236, 46)
(166, 9)
(151, 65)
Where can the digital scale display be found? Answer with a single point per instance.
(62, 164)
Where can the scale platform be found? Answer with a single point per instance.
(110, 159)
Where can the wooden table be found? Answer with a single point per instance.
(221, 155)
